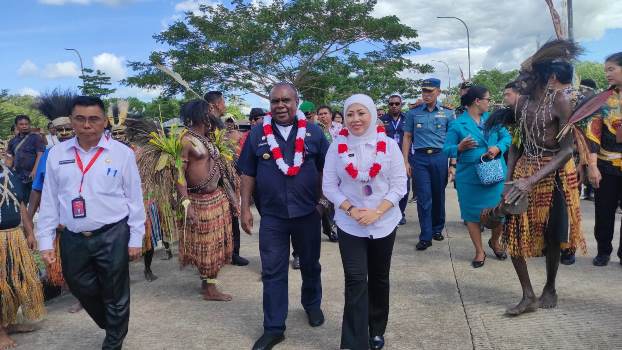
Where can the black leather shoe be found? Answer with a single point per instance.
(296, 263)
(376, 342)
(316, 317)
(500, 255)
(333, 237)
(238, 261)
(477, 264)
(403, 221)
(438, 237)
(423, 245)
(601, 260)
(567, 257)
(267, 341)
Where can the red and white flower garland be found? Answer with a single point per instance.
(381, 152)
(299, 145)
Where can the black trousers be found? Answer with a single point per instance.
(366, 266)
(607, 200)
(235, 223)
(97, 272)
(404, 200)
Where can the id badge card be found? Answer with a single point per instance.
(78, 208)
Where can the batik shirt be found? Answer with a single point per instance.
(601, 132)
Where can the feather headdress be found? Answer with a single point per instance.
(56, 106)
(120, 110)
(563, 50)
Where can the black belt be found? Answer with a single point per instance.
(99, 230)
(428, 150)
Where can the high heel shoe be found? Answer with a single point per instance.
(477, 264)
(500, 255)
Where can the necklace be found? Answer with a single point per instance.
(275, 149)
(381, 152)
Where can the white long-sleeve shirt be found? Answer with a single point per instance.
(111, 191)
(389, 184)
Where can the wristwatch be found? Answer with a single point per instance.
(349, 210)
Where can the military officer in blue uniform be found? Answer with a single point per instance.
(394, 122)
(288, 205)
(425, 129)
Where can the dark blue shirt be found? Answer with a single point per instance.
(428, 128)
(25, 157)
(277, 194)
(394, 128)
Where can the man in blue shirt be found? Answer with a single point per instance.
(394, 123)
(425, 128)
(287, 200)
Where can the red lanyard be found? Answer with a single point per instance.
(88, 166)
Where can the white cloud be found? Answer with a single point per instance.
(110, 64)
(83, 2)
(57, 70)
(192, 6)
(140, 93)
(28, 68)
(503, 33)
(28, 92)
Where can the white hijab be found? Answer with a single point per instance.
(370, 135)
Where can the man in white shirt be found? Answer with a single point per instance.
(92, 187)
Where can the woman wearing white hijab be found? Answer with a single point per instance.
(365, 177)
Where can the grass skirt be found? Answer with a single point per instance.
(55, 271)
(19, 282)
(207, 243)
(524, 233)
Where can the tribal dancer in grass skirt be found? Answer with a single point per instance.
(208, 194)
(19, 281)
(542, 199)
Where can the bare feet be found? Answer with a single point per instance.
(77, 307)
(548, 299)
(212, 293)
(5, 341)
(149, 276)
(527, 304)
(21, 328)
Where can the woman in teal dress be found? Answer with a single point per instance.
(469, 141)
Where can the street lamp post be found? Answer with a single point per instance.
(468, 39)
(79, 57)
(448, 74)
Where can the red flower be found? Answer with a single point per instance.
(351, 170)
(293, 170)
(342, 148)
(380, 128)
(375, 169)
(344, 132)
(276, 153)
(299, 145)
(267, 129)
(381, 146)
(302, 123)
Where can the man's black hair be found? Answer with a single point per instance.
(213, 96)
(511, 85)
(395, 95)
(87, 101)
(21, 117)
(589, 83)
(330, 110)
(196, 112)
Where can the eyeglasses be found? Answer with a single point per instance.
(91, 119)
(395, 103)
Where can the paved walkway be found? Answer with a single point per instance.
(437, 302)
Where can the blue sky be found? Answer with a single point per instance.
(108, 33)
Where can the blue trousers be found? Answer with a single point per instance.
(274, 240)
(430, 173)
